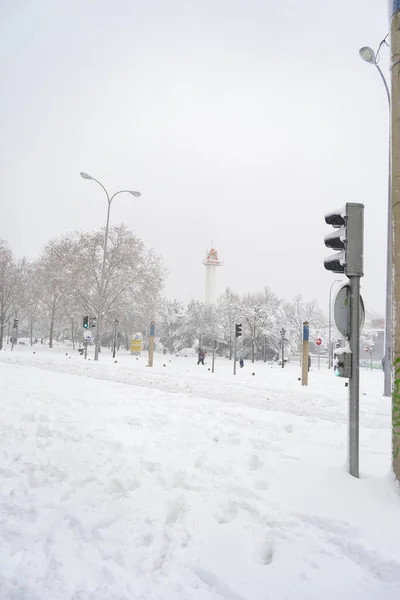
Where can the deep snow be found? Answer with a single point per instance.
(124, 482)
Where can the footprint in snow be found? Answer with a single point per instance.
(226, 513)
(255, 463)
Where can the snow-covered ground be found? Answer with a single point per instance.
(121, 482)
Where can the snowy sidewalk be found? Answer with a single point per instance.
(111, 491)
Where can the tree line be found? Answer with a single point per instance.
(262, 315)
(50, 295)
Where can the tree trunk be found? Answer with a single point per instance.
(230, 346)
(252, 350)
(31, 331)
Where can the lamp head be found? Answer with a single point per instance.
(368, 55)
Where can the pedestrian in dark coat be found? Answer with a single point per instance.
(201, 355)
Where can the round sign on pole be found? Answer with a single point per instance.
(341, 311)
(318, 341)
(87, 334)
(367, 349)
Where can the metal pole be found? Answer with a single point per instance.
(115, 337)
(319, 356)
(86, 345)
(387, 386)
(234, 355)
(354, 381)
(395, 261)
(283, 349)
(103, 268)
(213, 356)
(151, 343)
(388, 362)
(304, 371)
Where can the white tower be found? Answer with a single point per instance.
(211, 263)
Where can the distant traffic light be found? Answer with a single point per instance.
(342, 363)
(16, 321)
(238, 330)
(93, 322)
(347, 239)
(86, 322)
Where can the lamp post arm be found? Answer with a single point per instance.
(384, 82)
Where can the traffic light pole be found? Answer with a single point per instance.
(354, 381)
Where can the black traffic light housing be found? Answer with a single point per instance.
(16, 321)
(347, 239)
(93, 322)
(86, 322)
(238, 330)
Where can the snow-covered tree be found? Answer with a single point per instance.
(171, 325)
(298, 311)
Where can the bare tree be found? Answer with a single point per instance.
(55, 277)
(298, 311)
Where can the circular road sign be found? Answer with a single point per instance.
(341, 311)
(318, 341)
(87, 334)
(367, 349)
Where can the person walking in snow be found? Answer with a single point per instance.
(241, 362)
(201, 355)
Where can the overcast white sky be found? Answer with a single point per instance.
(240, 121)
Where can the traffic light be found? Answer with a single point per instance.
(16, 321)
(347, 239)
(86, 322)
(93, 321)
(238, 329)
(342, 363)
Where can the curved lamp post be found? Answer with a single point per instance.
(372, 58)
(103, 268)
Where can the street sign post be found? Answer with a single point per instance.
(151, 343)
(318, 343)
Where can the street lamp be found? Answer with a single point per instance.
(330, 323)
(103, 268)
(372, 58)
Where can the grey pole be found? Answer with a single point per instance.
(234, 355)
(371, 57)
(283, 347)
(387, 387)
(101, 294)
(330, 324)
(116, 322)
(354, 381)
